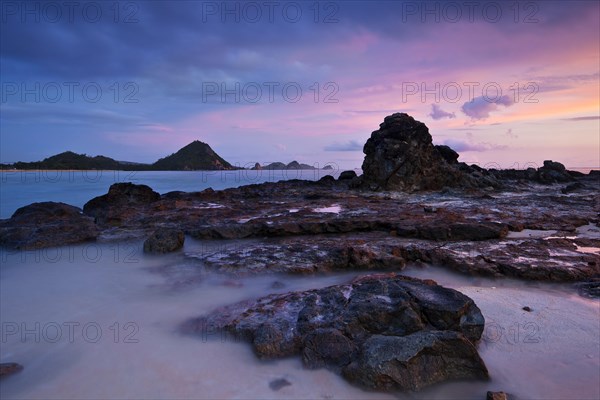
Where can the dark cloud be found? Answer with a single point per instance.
(588, 118)
(460, 145)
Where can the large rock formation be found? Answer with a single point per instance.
(46, 224)
(400, 155)
(382, 331)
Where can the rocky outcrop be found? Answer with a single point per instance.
(46, 224)
(400, 156)
(380, 331)
(164, 241)
(551, 172)
(121, 201)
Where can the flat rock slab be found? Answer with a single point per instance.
(350, 328)
(543, 259)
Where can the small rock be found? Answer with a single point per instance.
(279, 384)
(590, 288)
(429, 209)
(527, 308)
(9, 369)
(164, 241)
(572, 187)
(347, 175)
(496, 396)
(327, 179)
(277, 285)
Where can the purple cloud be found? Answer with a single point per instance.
(460, 145)
(351, 145)
(481, 107)
(438, 113)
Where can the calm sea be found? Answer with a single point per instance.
(19, 188)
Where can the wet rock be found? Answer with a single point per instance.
(496, 396)
(415, 361)
(382, 331)
(590, 288)
(122, 201)
(400, 156)
(277, 285)
(164, 241)
(347, 175)
(572, 187)
(463, 231)
(9, 369)
(46, 224)
(278, 384)
(327, 179)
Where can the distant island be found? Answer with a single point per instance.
(193, 157)
(293, 165)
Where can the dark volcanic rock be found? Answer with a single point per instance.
(353, 329)
(164, 241)
(448, 154)
(347, 175)
(278, 384)
(122, 199)
(572, 187)
(9, 369)
(590, 288)
(46, 224)
(496, 396)
(553, 172)
(400, 156)
(415, 361)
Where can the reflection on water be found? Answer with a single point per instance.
(100, 321)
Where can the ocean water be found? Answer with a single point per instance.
(20, 188)
(101, 320)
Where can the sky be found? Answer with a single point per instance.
(506, 84)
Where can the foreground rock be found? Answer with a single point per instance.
(164, 241)
(9, 369)
(383, 332)
(46, 224)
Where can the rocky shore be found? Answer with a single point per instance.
(414, 203)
